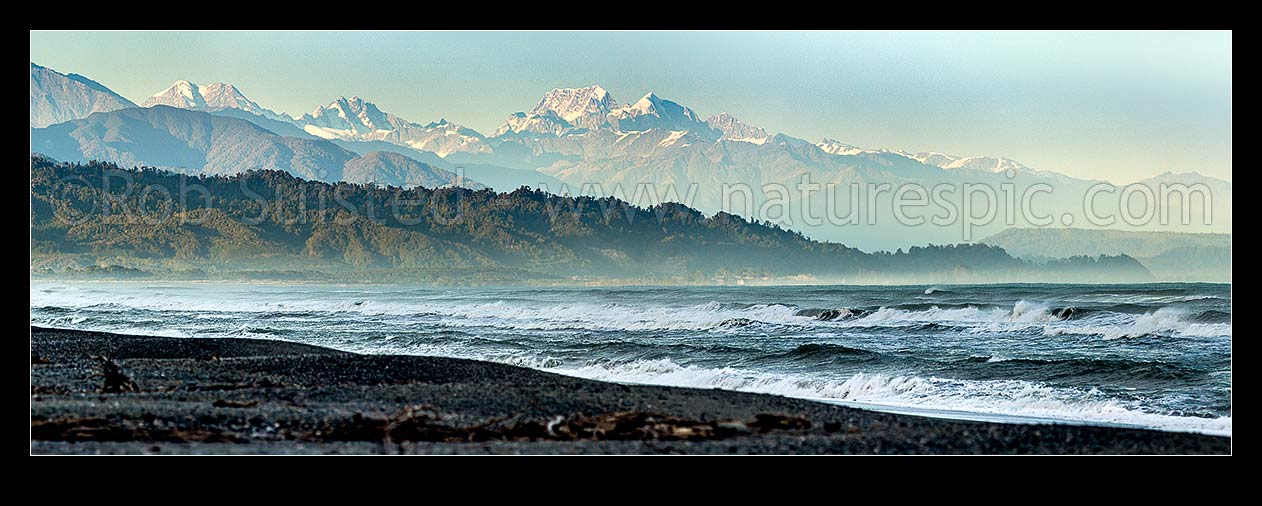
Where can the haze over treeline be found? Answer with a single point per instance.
(97, 217)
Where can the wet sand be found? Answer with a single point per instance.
(99, 393)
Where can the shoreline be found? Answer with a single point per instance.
(939, 413)
(162, 395)
(586, 283)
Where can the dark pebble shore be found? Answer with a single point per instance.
(99, 393)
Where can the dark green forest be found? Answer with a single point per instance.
(97, 219)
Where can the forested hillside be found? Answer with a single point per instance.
(98, 214)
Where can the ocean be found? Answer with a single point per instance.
(1143, 355)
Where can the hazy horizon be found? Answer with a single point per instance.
(1067, 102)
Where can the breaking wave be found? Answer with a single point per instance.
(1079, 369)
(996, 397)
(1164, 322)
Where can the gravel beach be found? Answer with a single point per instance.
(99, 393)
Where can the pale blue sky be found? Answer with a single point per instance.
(1112, 105)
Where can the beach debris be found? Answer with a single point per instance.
(420, 423)
(115, 381)
(423, 423)
(553, 424)
(193, 386)
(101, 429)
(228, 403)
(638, 425)
(765, 422)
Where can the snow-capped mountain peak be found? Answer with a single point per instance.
(562, 110)
(646, 104)
(574, 110)
(977, 163)
(986, 163)
(544, 123)
(933, 158)
(734, 130)
(356, 119)
(572, 104)
(185, 94)
(651, 104)
(836, 147)
(652, 111)
(182, 94)
(577, 107)
(348, 117)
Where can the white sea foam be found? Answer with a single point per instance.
(145, 331)
(519, 315)
(66, 321)
(1024, 315)
(1164, 322)
(709, 316)
(1022, 311)
(1002, 397)
(1026, 311)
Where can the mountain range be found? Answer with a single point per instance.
(197, 142)
(580, 140)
